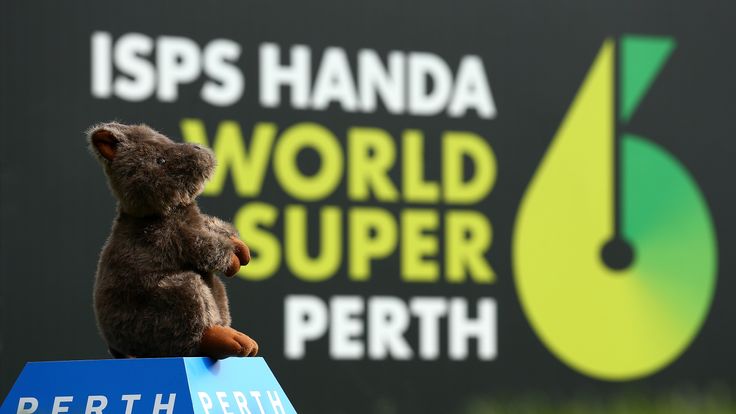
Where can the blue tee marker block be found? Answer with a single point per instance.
(150, 386)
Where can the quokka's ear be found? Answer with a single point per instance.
(104, 140)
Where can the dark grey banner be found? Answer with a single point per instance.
(446, 202)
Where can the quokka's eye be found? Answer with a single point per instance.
(161, 160)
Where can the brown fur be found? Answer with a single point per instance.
(156, 292)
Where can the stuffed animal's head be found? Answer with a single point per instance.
(149, 173)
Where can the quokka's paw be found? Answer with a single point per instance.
(241, 250)
(234, 265)
(239, 257)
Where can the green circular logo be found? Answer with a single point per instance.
(595, 185)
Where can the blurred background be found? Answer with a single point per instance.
(429, 190)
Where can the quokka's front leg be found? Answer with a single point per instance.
(217, 226)
(211, 252)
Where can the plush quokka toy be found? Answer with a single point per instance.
(156, 291)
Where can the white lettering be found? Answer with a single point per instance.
(345, 342)
(257, 396)
(429, 311)
(219, 58)
(422, 68)
(375, 80)
(158, 405)
(388, 319)
(472, 90)
(334, 82)
(140, 81)
(101, 64)
(206, 401)
(417, 83)
(306, 319)
(27, 405)
(241, 402)
(273, 75)
(177, 61)
(379, 326)
(96, 409)
(223, 404)
(462, 328)
(130, 399)
(58, 408)
(275, 402)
